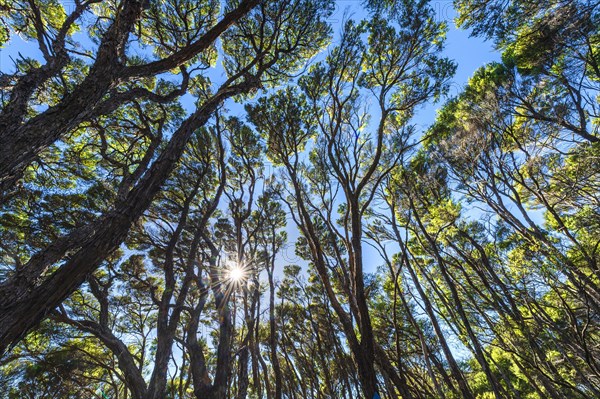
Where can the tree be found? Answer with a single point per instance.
(76, 90)
(253, 55)
(456, 262)
(399, 69)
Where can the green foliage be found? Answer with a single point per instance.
(458, 264)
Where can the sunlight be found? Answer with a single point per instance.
(236, 274)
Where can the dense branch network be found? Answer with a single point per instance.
(310, 241)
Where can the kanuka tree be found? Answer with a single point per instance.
(397, 67)
(485, 227)
(517, 144)
(75, 89)
(554, 47)
(523, 173)
(138, 317)
(265, 45)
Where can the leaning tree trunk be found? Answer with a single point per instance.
(20, 310)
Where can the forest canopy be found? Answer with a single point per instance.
(210, 199)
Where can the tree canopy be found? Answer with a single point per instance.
(232, 199)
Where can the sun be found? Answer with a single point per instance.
(236, 274)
